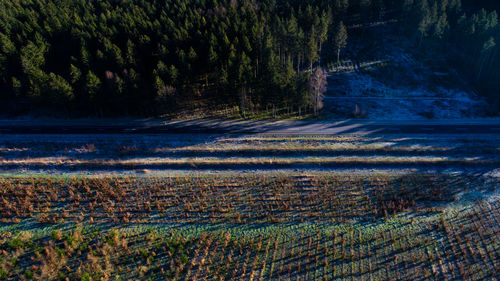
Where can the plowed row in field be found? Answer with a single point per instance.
(236, 200)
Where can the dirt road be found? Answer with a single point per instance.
(159, 126)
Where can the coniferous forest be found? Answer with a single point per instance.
(138, 57)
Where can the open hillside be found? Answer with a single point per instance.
(382, 77)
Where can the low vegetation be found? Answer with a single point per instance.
(247, 227)
(233, 200)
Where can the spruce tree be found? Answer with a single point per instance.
(340, 39)
(441, 26)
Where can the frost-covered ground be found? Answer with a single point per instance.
(171, 154)
(385, 82)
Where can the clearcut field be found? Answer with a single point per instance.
(249, 207)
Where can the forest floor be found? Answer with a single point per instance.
(380, 78)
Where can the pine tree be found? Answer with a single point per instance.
(378, 9)
(425, 19)
(244, 73)
(172, 75)
(75, 74)
(7, 49)
(130, 52)
(84, 56)
(16, 86)
(455, 6)
(92, 84)
(32, 60)
(60, 90)
(443, 6)
(486, 52)
(441, 26)
(325, 21)
(340, 7)
(340, 39)
(312, 49)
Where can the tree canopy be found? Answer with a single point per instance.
(110, 57)
(150, 57)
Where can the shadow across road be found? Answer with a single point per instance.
(211, 126)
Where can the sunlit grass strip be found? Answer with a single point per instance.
(159, 161)
(241, 144)
(382, 146)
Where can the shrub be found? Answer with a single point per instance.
(3, 274)
(28, 274)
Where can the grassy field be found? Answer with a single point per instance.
(410, 220)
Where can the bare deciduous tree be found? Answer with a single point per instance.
(317, 85)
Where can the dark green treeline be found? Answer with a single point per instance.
(149, 57)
